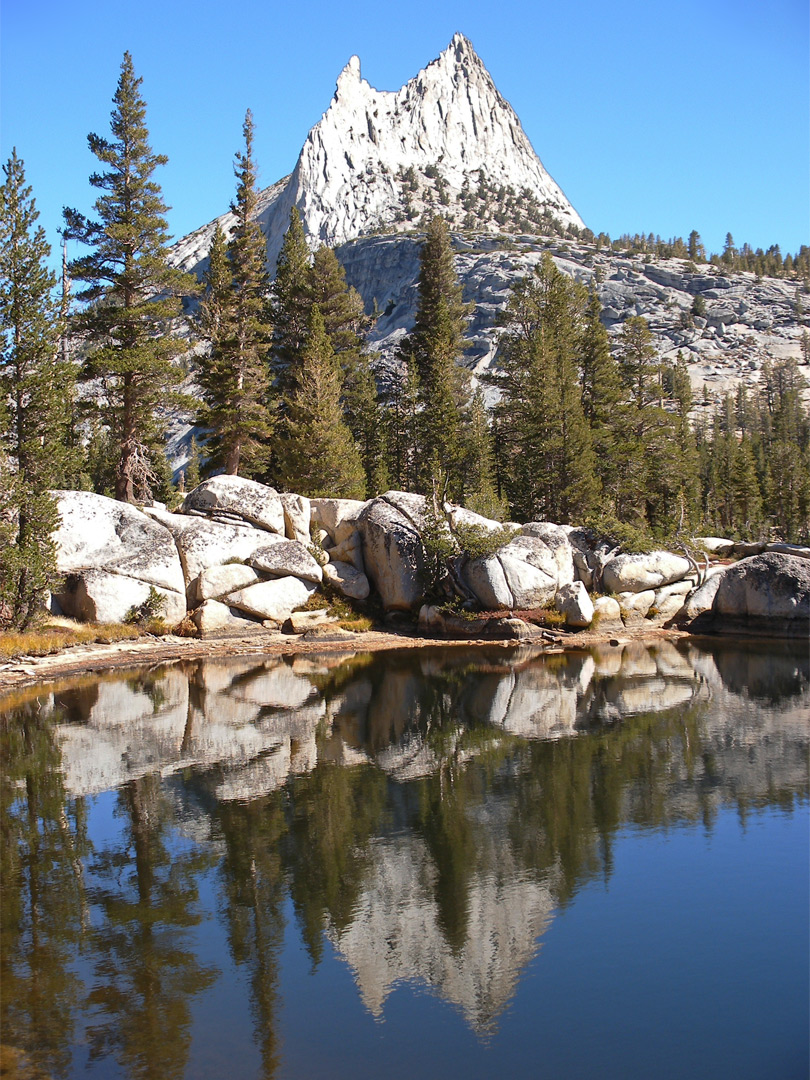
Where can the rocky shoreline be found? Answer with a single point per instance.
(99, 658)
(241, 561)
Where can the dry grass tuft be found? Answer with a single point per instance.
(186, 628)
(358, 624)
(52, 638)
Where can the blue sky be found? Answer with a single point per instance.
(652, 117)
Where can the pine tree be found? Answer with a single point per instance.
(340, 305)
(345, 321)
(784, 424)
(234, 315)
(747, 495)
(291, 303)
(549, 462)
(132, 294)
(100, 460)
(686, 461)
(192, 471)
(213, 369)
(601, 395)
(401, 415)
(36, 390)
(697, 252)
(647, 491)
(316, 451)
(723, 467)
(479, 464)
(365, 418)
(435, 345)
(729, 255)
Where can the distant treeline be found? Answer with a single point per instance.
(770, 263)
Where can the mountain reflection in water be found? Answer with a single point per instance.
(426, 812)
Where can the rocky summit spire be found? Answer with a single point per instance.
(380, 160)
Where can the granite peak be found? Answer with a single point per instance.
(379, 161)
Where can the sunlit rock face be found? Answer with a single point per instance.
(112, 556)
(449, 121)
(379, 163)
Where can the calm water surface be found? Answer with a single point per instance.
(440, 863)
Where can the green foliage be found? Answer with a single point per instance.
(235, 317)
(303, 283)
(316, 452)
(291, 303)
(36, 392)
(447, 549)
(733, 259)
(150, 610)
(101, 460)
(476, 542)
(631, 538)
(755, 460)
(546, 453)
(694, 246)
(162, 484)
(654, 456)
(191, 476)
(601, 395)
(438, 546)
(479, 464)
(400, 426)
(434, 347)
(28, 569)
(345, 322)
(132, 295)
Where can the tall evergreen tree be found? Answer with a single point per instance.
(36, 391)
(401, 412)
(365, 418)
(601, 396)
(746, 491)
(345, 322)
(132, 295)
(434, 345)
(479, 464)
(340, 305)
(316, 451)
(785, 433)
(550, 467)
(301, 284)
(234, 315)
(697, 252)
(291, 302)
(685, 448)
(647, 450)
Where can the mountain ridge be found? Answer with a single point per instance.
(379, 160)
(375, 219)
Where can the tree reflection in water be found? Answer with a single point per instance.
(43, 915)
(144, 972)
(425, 811)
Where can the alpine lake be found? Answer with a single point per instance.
(444, 862)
